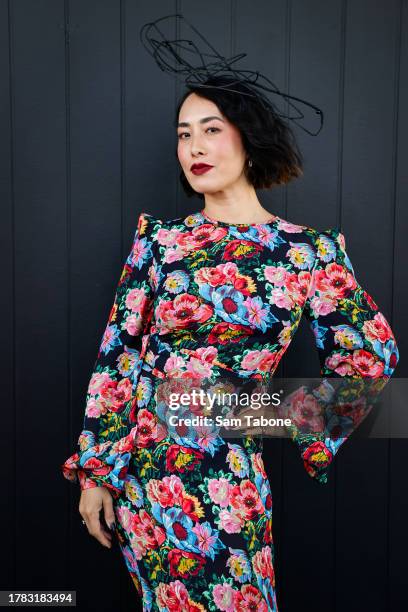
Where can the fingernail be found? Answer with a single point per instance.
(112, 526)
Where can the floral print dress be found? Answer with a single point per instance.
(198, 298)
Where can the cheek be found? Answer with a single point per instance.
(181, 153)
(225, 145)
(230, 148)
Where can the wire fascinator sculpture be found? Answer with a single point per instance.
(186, 59)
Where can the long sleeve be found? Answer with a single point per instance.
(354, 342)
(109, 425)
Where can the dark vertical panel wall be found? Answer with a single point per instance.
(397, 540)
(368, 210)
(7, 304)
(96, 237)
(39, 188)
(88, 143)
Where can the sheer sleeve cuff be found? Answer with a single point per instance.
(103, 464)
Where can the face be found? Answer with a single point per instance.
(205, 136)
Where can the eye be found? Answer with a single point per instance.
(180, 136)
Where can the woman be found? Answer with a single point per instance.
(221, 291)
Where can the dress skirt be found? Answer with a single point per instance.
(195, 528)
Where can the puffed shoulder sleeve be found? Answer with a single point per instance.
(108, 434)
(353, 338)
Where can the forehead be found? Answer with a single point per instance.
(194, 108)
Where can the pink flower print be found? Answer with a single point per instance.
(335, 280)
(130, 559)
(181, 312)
(167, 492)
(210, 276)
(305, 412)
(322, 305)
(140, 251)
(262, 563)
(257, 310)
(377, 329)
(277, 275)
(145, 531)
(135, 300)
(134, 324)
(282, 299)
(115, 394)
(290, 228)
(172, 255)
(173, 597)
(231, 521)
(125, 517)
(166, 237)
(94, 408)
(361, 362)
(218, 490)
(97, 381)
(249, 598)
(174, 366)
(258, 360)
(245, 498)
(207, 538)
(258, 464)
(223, 596)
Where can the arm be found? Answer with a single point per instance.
(354, 342)
(109, 426)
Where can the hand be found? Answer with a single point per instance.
(90, 504)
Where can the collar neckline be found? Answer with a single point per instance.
(226, 224)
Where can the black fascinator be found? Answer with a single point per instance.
(200, 65)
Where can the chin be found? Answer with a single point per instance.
(199, 187)
(208, 186)
(206, 191)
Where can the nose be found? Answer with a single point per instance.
(196, 145)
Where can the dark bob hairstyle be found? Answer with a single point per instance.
(266, 138)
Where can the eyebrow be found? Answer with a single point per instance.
(204, 120)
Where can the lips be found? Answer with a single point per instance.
(200, 168)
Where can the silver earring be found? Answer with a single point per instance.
(250, 163)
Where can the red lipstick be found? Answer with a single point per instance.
(200, 168)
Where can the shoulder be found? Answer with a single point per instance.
(149, 224)
(323, 245)
(321, 237)
(309, 234)
(330, 238)
(189, 221)
(329, 246)
(158, 232)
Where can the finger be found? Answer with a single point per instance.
(108, 511)
(96, 530)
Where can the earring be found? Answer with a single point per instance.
(250, 163)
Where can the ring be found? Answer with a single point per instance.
(83, 522)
